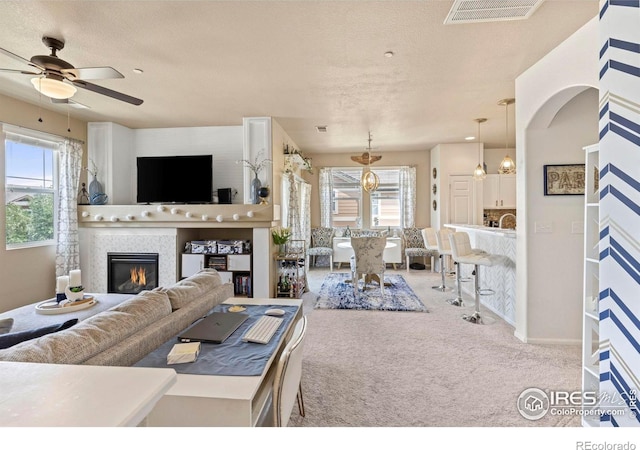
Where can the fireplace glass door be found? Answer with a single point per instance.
(130, 273)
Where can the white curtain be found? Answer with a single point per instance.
(408, 196)
(67, 246)
(326, 196)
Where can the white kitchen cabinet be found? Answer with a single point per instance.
(499, 191)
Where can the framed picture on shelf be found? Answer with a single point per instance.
(564, 179)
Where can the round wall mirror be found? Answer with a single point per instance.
(435, 173)
(435, 205)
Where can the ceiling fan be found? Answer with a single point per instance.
(57, 79)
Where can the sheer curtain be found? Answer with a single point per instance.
(326, 196)
(67, 246)
(408, 196)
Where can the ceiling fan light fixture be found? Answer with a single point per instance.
(53, 88)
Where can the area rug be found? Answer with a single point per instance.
(335, 293)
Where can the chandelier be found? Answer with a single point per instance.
(479, 174)
(507, 165)
(369, 180)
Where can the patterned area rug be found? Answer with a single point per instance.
(335, 293)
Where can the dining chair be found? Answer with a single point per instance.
(367, 259)
(414, 246)
(287, 384)
(321, 244)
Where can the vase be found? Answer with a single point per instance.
(96, 192)
(255, 186)
(282, 249)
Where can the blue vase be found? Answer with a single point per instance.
(255, 187)
(96, 193)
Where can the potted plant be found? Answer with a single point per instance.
(280, 236)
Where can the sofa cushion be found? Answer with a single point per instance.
(185, 291)
(95, 334)
(11, 339)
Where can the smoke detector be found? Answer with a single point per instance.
(472, 11)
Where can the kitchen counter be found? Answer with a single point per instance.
(502, 277)
(506, 232)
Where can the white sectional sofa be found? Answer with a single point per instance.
(127, 331)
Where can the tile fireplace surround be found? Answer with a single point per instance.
(164, 229)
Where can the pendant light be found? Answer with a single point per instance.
(479, 174)
(507, 165)
(369, 180)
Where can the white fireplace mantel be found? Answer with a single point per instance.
(161, 228)
(179, 216)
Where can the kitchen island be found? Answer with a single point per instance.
(502, 277)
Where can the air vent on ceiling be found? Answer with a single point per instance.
(321, 128)
(470, 11)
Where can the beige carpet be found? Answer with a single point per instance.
(379, 368)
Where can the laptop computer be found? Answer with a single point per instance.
(214, 328)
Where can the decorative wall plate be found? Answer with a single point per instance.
(435, 173)
(435, 205)
(435, 189)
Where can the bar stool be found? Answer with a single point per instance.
(444, 248)
(463, 254)
(431, 244)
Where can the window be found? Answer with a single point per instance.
(29, 190)
(346, 200)
(385, 201)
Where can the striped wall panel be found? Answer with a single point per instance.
(619, 299)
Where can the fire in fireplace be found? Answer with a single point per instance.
(130, 273)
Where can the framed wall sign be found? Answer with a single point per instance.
(564, 179)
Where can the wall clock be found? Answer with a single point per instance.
(435, 173)
(435, 189)
(435, 205)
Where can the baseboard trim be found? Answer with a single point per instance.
(551, 341)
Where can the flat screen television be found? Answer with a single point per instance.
(175, 179)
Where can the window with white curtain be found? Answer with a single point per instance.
(385, 201)
(346, 197)
(30, 190)
(391, 205)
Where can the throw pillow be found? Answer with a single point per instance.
(11, 339)
(5, 325)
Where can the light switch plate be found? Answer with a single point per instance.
(543, 227)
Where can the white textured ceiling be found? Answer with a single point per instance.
(305, 63)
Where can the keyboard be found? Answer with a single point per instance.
(263, 330)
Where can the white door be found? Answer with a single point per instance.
(461, 204)
(490, 191)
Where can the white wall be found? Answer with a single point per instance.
(542, 315)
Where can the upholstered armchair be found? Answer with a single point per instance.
(414, 246)
(321, 244)
(367, 259)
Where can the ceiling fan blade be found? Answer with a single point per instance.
(72, 103)
(24, 72)
(93, 73)
(20, 58)
(108, 92)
